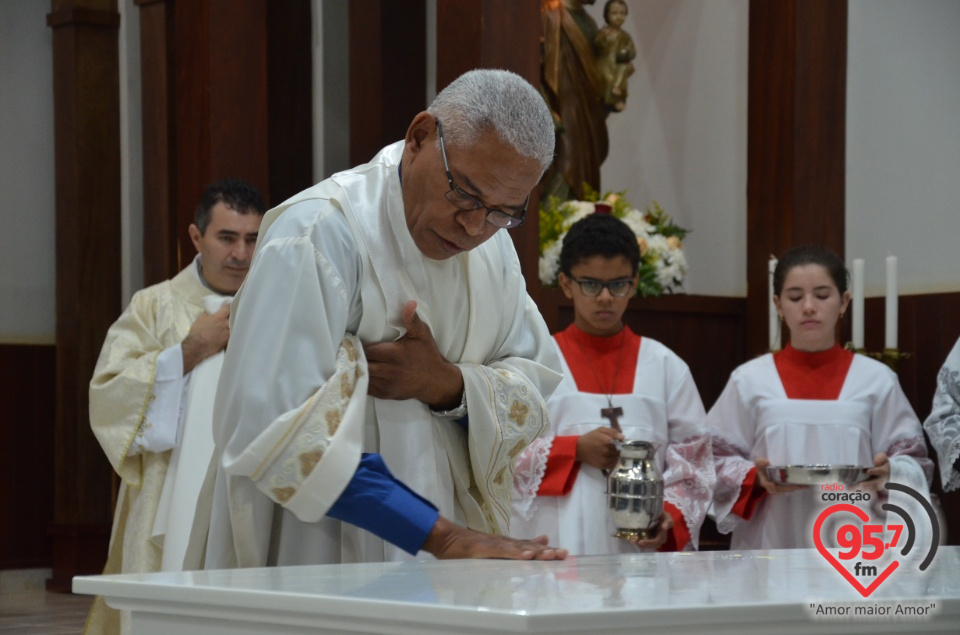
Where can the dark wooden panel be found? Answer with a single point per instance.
(795, 138)
(290, 95)
(227, 91)
(220, 88)
(237, 85)
(388, 72)
(161, 230)
(495, 34)
(26, 457)
(460, 32)
(87, 158)
(191, 146)
(488, 34)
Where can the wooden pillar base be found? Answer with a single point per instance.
(77, 550)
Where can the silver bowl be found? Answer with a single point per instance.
(817, 474)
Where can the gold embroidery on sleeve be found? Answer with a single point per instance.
(283, 494)
(333, 417)
(517, 448)
(309, 460)
(518, 412)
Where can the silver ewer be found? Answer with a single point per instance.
(635, 491)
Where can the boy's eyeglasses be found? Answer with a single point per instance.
(617, 288)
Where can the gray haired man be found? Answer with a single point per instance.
(386, 364)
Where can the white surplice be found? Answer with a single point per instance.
(123, 391)
(664, 407)
(753, 417)
(943, 424)
(184, 502)
(335, 260)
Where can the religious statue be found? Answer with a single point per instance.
(571, 85)
(615, 50)
(584, 79)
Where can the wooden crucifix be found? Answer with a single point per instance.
(613, 416)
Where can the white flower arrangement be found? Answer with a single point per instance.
(663, 264)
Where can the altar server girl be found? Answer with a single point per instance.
(811, 403)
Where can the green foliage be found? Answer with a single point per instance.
(663, 223)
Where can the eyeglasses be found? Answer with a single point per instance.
(468, 202)
(617, 288)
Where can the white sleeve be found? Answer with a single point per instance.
(530, 465)
(297, 303)
(162, 419)
(896, 430)
(943, 424)
(732, 431)
(690, 475)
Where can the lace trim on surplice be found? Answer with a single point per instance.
(732, 467)
(689, 482)
(528, 473)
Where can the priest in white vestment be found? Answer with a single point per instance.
(154, 380)
(386, 363)
(943, 424)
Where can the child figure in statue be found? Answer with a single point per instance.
(615, 50)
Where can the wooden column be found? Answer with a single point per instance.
(27, 465)
(795, 138)
(289, 98)
(388, 72)
(220, 111)
(87, 149)
(226, 92)
(161, 228)
(495, 34)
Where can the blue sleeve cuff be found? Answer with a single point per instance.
(376, 501)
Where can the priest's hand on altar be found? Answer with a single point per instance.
(208, 336)
(666, 525)
(879, 474)
(413, 368)
(598, 448)
(447, 540)
(765, 483)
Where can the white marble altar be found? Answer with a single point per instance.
(718, 592)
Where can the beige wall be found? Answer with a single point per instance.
(903, 142)
(682, 139)
(27, 266)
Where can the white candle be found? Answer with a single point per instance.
(890, 341)
(774, 316)
(857, 303)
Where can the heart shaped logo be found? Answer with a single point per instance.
(829, 557)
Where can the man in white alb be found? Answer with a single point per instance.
(386, 364)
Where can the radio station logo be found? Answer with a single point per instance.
(864, 543)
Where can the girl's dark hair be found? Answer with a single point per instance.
(599, 235)
(810, 255)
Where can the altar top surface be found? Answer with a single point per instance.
(526, 596)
